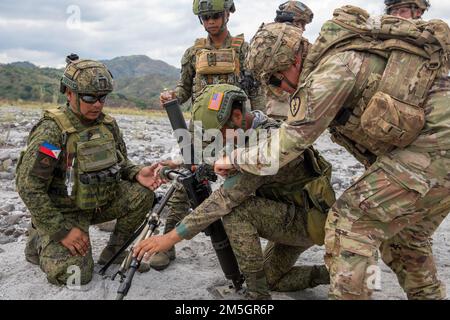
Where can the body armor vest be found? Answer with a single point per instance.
(214, 66)
(404, 57)
(89, 170)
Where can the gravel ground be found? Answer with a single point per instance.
(195, 272)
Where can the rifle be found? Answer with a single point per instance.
(198, 190)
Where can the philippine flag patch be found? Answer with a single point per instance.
(216, 101)
(50, 150)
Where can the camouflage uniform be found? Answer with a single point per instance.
(41, 185)
(405, 193)
(187, 88)
(297, 13)
(254, 206)
(277, 106)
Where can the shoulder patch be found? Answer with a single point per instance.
(295, 106)
(50, 150)
(44, 165)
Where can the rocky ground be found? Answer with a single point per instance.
(196, 270)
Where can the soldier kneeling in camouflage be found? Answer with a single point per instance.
(289, 209)
(75, 173)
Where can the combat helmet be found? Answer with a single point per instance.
(86, 76)
(273, 49)
(421, 4)
(294, 12)
(212, 6)
(214, 105)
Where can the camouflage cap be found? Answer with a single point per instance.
(273, 49)
(214, 105)
(296, 10)
(88, 77)
(212, 6)
(421, 4)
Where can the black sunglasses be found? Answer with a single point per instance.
(214, 16)
(275, 81)
(91, 99)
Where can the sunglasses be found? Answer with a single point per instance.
(215, 16)
(274, 81)
(90, 99)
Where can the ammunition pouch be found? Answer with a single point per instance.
(215, 62)
(391, 121)
(105, 176)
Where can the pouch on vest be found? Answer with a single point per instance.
(322, 197)
(392, 121)
(214, 62)
(97, 176)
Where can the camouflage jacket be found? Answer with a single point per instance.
(46, 210)
(332, 85)
(236, 189)
(185, 87)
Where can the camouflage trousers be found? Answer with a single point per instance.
(285, 227)
(178, 209)
(396, 206)
(130, 210)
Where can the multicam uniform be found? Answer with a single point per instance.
(203, 64)
(298, 14)
(288, 209)
(94, 155)
(374, 105)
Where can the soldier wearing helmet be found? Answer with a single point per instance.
(71, 173)
(294, 12)
(247, 217)
(408, 9)
(219, 58)
(277, 105)
(386, 103)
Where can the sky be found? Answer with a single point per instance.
(45, 31)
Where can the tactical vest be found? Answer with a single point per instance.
(310, 191)
(90, 168)
(213, 66)
(388, 112)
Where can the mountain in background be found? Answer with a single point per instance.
(138, 82)
(139, 66)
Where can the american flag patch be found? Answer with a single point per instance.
(50, 150)
(216, 101)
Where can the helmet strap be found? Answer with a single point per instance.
(225, 21)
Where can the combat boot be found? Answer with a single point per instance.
(31, 251)
(319, 276)
(257, 288)
(161, 260)
(114, 244)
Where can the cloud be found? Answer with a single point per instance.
(45, 31)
